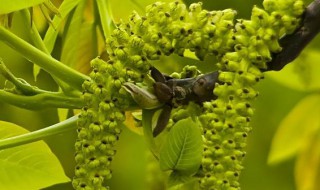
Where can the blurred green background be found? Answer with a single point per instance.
(130, 164)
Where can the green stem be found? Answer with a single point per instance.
(33, 31)
(51, 65)
(106, 17)
(67, 125)
(41, 101)
(22, 86)
(147, 131)
(38, 43)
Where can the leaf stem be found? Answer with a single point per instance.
(51, 65)
(38, 43)
(41, 101)
(21, 85)
(147, 131)
(67, 125)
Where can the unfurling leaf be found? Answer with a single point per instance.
(294, 129)
(307, 166)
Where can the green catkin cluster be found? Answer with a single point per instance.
(226, 119)
(166, 29)
(172, 28)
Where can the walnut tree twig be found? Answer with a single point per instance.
(294, 43)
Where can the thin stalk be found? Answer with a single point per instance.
(41, 101)
(147, 131)
(38, 43)
(33, 31)
(67, 125)
(22, 86)
(106, 17)
(51, 65)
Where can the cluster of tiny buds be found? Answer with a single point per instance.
(226, 119)
(243, 48)
(172, 28)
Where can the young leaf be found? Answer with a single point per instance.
(31, 166)
(295, 128)
(52, 32)
(307, 166)
(72, 35)
(302, 74)
(8, 6)
(182, 150)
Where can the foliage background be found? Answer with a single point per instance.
(278, 95)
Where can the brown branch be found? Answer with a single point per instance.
(294, 43)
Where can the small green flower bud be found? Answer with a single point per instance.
(136, 43)
(121, 36)
(93, 163)
(231, 175)
(260, 16)
(95, 128)
(97, 179)
(195, 8)
(298, 8)
(79, 158)
(226, 77)
(80, 171)
(217, 167)
(82, 133)
(229, 144)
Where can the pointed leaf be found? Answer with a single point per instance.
(80, 49)
(72, 35)
(302, 74)
(53, 30)
(81, 42)
(31, 166)
(294, 129)
(182, 150)
(8, 6)
(307, 167)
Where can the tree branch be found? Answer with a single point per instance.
(294, 43)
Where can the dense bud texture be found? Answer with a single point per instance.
(226, 119)
(242, 47)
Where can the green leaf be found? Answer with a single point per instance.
(62, 114)
(182, 150)
(176, 180)
(307, 167)
(295, 128)
(80, 49)
(31, 166)
(127, 6)
(302, 74)
(8, 6)
(72, 36)
(53, 30)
